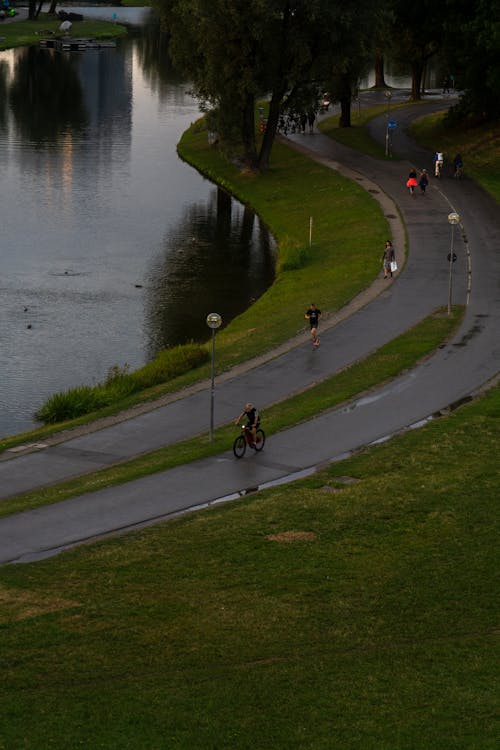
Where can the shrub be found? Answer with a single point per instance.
(120, 383)
(72, 403)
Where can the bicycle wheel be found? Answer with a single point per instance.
(261, 439)
(239, 446)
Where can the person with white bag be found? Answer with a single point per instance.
(389, 264)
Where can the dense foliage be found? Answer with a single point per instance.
(472, 49)
(236, 53)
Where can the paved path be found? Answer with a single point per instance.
(456, 371)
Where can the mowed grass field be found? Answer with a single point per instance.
(355, 609)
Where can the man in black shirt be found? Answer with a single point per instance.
(313, 315)
(253, 420)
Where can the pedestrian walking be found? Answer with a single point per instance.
(423, 181)
(311, 117)
(411, 182)
(458, 165)
(313, 315)
(388, 260)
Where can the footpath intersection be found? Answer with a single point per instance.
(455, 372)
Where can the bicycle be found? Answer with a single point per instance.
(246, 438)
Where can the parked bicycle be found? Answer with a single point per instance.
(246, 438)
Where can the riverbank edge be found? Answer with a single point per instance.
(61, 432)
(14, 33)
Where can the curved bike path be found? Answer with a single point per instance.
(463, 366)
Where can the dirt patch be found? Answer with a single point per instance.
(293, 536)
(18, 604)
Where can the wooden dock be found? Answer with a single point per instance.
(68, 44)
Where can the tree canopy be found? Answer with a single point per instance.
(236, 53)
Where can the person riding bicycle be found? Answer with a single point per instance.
(438, 163)
(253, 420)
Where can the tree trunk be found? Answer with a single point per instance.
(416, 80)
(379, 71)
(345, 112)
(38, 10)
(52, 9)
(248, 132)
(32, 10)
(345, 99)
(270, 131)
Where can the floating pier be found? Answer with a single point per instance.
(76, 45)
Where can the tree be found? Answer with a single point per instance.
(472, 54)
(417, 36)
(235, 52)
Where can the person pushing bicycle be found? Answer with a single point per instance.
(253, 420)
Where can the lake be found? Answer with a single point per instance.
(112, 247)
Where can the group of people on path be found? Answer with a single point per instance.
(422, 180)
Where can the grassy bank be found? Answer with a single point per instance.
(24, 33)
(325, 615)
(348, 229)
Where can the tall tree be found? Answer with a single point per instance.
(417, 36)
(472, 55)
(234, 52)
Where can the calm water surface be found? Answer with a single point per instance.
(111, 248)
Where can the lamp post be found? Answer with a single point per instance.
(214, 322)
(453, 219)
(388, 96)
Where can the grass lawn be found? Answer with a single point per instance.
(321, 615)
(23, 33)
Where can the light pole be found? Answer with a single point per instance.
(214, 321)
(453, 219)
(388, 96)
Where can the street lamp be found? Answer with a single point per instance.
(214, 322)
(453, 219)
(388, 96)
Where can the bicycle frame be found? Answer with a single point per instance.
(247, 431)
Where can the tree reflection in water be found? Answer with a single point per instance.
(46, 95)
(219, 258)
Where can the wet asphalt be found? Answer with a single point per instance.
(454, 373)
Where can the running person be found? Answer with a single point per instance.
(313, 315)
(253, 420)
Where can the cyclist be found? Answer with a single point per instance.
(438, 163)
(253, 420)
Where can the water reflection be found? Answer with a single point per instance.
(45, 96)
(219, 257)
(112, 247)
